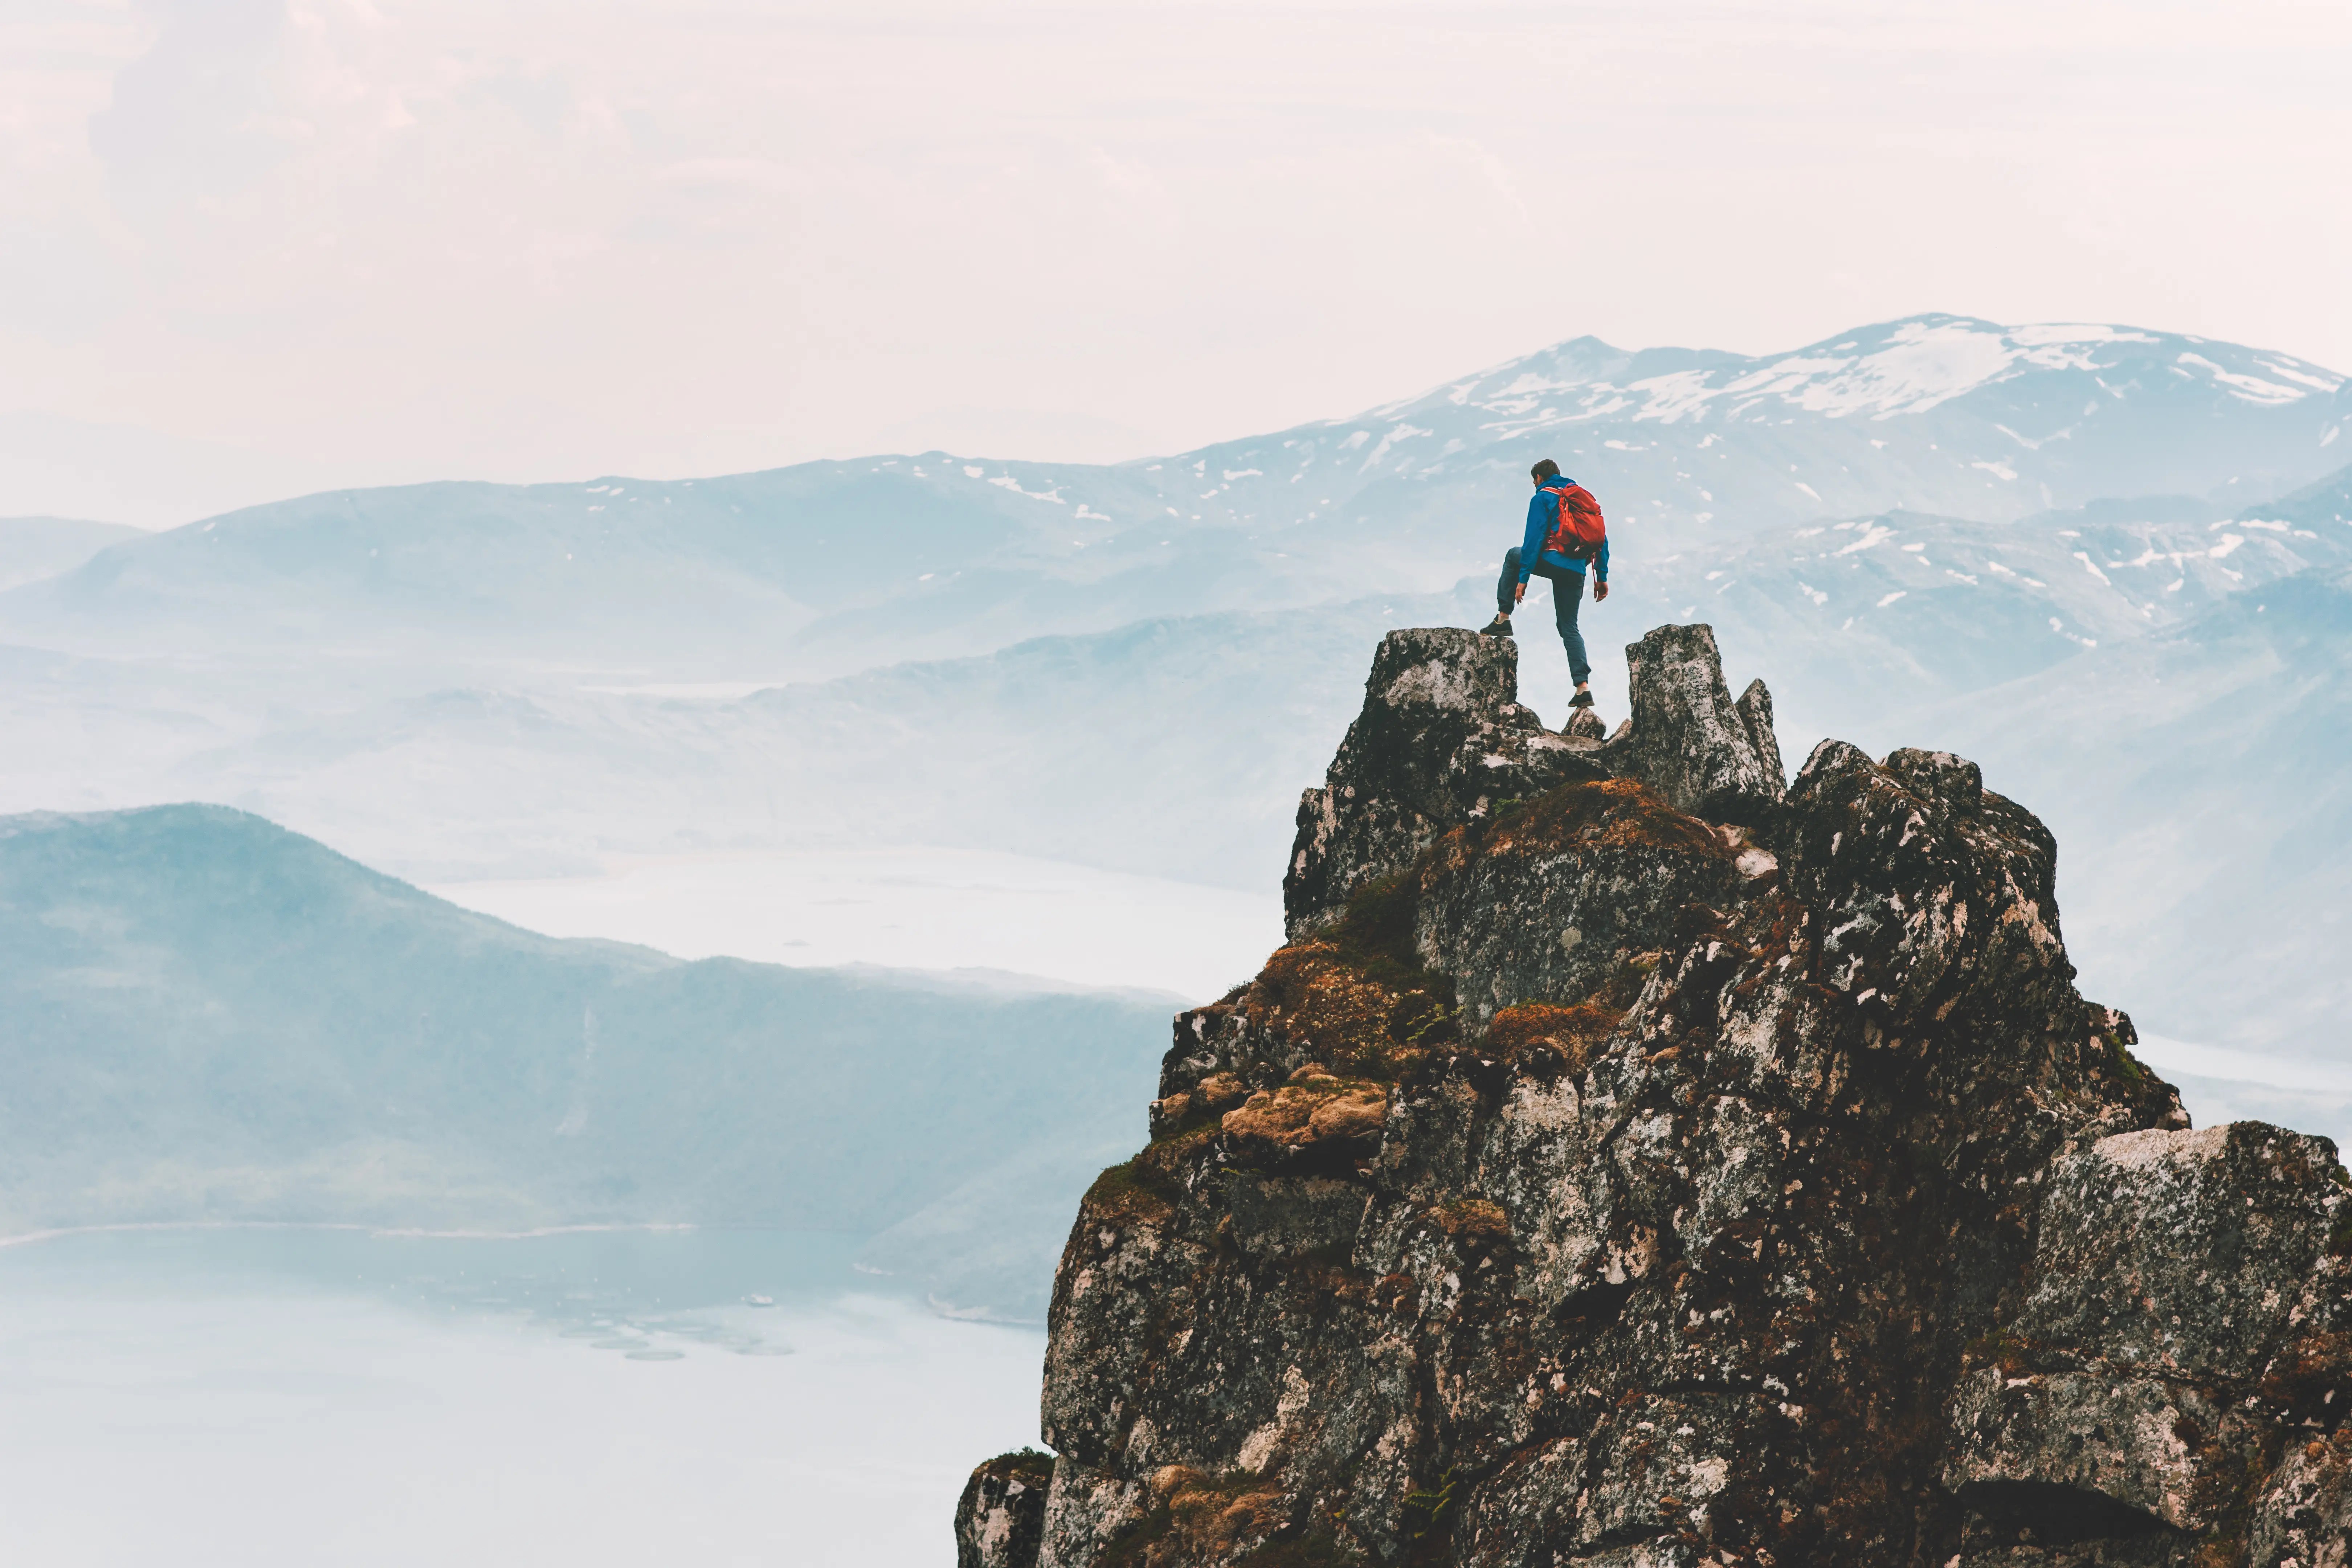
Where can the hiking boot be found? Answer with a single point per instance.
(1500, 627)
(1581, 699)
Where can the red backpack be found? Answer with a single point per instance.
(1580, 531)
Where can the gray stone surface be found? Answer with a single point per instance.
(1001, 1517)
(1441, 737)
(1614, 1183)
(1702, 752)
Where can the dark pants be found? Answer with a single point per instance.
(1567, 591)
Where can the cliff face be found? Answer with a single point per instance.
(1630, 1162)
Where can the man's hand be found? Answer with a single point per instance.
(1599, 592)
(1520, 596)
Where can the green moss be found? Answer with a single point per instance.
(1355, 1007)
(2125, 1063)
(1028, 1463)
(1143, 1188)
(1616, 814)
(1318, 1548)
(1127, 1548)
(1378, 930)
(1425, 1511)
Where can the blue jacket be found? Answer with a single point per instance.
(1543, 511)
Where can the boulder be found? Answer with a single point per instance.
(1001, 1517)
(1703, 752)
(1441, 738)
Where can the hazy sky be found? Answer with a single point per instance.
(254, 247)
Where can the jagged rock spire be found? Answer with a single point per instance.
(1707, 755)
(1442, 737)
(1632, 1163)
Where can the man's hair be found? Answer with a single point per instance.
(1546, 469)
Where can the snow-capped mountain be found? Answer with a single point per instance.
(829, 567)
(1934, 413)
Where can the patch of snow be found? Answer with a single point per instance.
(1921, 366)
(1400, 432)
(2049, 333)
(1892, 597)
(2092, 567)
(1672, 397)
(1008, 482)
(2322, 383)
(2248, 388)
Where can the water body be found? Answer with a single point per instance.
(265, 1396)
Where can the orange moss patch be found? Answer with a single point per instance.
(1324, 998)
(1575, 1034)
(1472, 1220)
(1315, 1109)
(1194, 1519)
(1616, 814)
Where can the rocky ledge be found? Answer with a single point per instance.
(1634, 1161)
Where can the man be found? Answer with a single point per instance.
(1557, 544)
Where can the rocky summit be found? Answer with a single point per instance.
(1633, 1160)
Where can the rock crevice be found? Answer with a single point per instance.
(1636, 1158)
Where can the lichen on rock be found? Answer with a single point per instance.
(1634, 1158)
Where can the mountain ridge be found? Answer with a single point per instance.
(214, 1019)
(1933, 413)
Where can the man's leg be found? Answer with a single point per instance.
(1506, 594)
(1567, 591)
(1507, 586)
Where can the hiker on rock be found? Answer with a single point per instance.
(1565, 531)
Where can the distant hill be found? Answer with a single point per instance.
(208, 1018)
(1177, 746)
(32, 548)
(2200, 780)
(2325, 504)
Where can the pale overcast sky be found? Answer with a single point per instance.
(255, 247)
